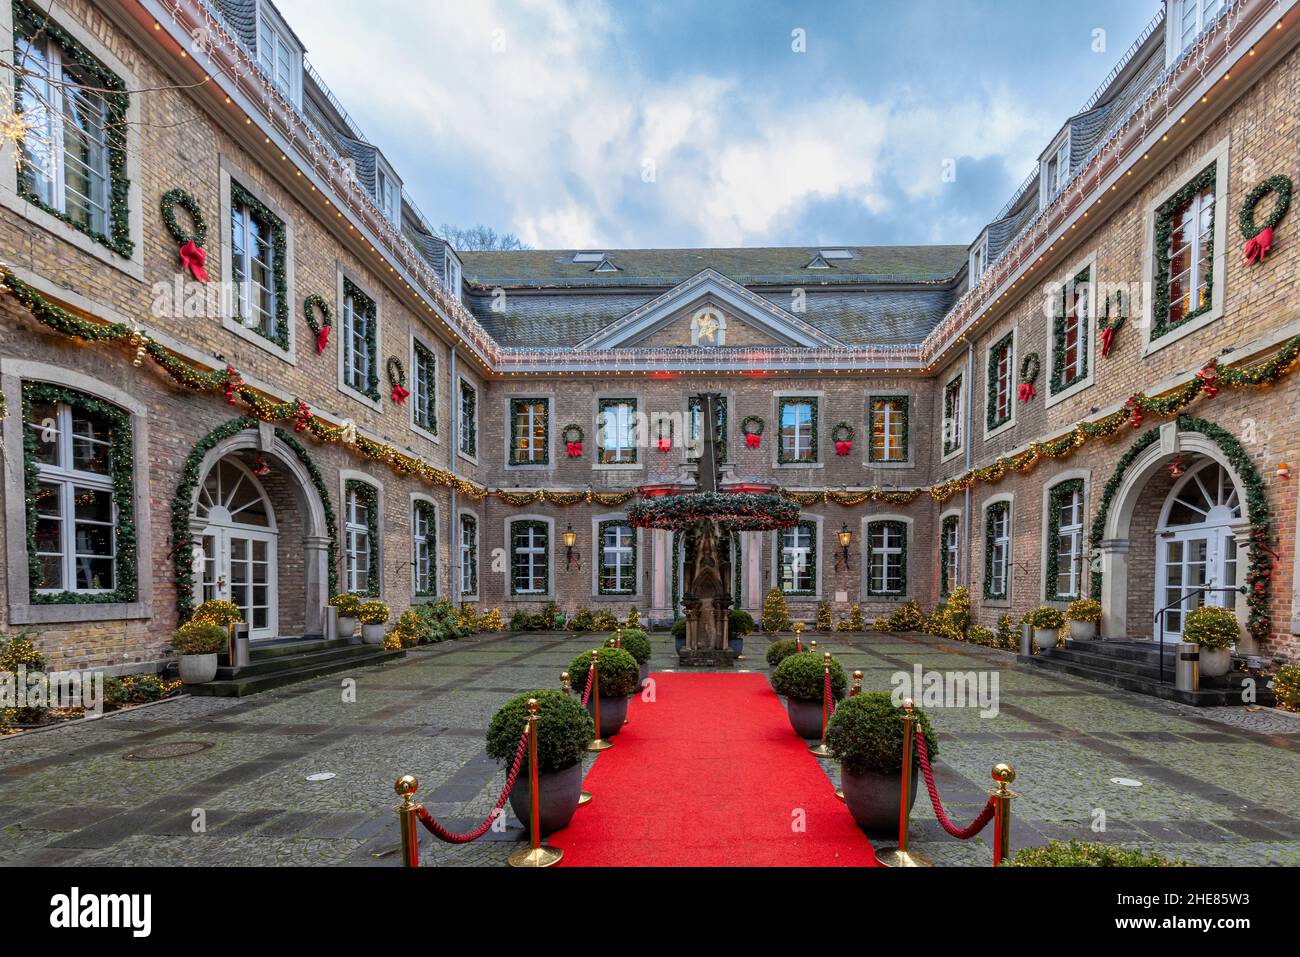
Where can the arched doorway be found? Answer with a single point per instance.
(239, 538)
(1196, 545)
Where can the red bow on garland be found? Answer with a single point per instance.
(233, 383)
(1207, 375)
(322, 339)
(752, 440)
(1026, 391)
(575, 450)
(843, 448)
(1258, 246)
(301, 418)
(192, 258)
(400, 394)
(665, 445)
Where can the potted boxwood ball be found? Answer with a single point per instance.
(372, 615)
(348, 605)
(802, 679)
(679, 635)
(199, 643)
(563, 730)
(866, 736)
(1083, 616)
(739, 624)
(1215, 630)
(619, 674)
(1047, 624)
(637, 644)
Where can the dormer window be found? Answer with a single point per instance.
(388, 193)
(605, 265)
(818, 262)
(1187, 20)
(1055, 169)
(979, 259)
(452, 272)
(279, 54)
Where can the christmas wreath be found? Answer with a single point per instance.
(397, 379)
(1110, 327)
(572, 436)
(751, 426)
(1259, 238)
(734, 512)
(1030, 366)
(191, 244)
(842, 436)
(320, 328)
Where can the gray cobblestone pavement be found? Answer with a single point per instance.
(1218, 786)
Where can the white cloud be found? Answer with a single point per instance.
(554, 128)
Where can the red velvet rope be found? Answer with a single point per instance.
(451, 837)
(586, 693)
(830, 702)
(961, 834)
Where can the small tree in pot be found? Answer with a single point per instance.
(347, 605)
(563, 730)
(739, 624)
(372, 615)
(619, 673)
(1047, 623)
(1083, 616)
(1216, 631)
(801, 678)
(866, 736)
(199, 643)
(637, 644)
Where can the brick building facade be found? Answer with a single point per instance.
(502, 352)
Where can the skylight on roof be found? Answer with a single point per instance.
(588, 257)
(836, 254)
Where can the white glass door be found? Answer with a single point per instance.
(239, 560)
(1190, 561)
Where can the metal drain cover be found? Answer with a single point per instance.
(167, 751)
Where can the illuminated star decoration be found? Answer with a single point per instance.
(706, 327)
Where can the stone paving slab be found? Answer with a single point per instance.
(1217, 785)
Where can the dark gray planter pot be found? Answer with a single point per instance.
(873, 799)
(805, 717)
(645, 673)
(559, 792)
(679, 644)
(737, 645)
(613, 711)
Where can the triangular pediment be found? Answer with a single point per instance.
(765, 321)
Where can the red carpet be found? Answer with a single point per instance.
(710, 774)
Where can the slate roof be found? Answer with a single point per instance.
(363, 154)
(668, 267)
(241, 16)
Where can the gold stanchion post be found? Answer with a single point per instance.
(597, 743)
(539, 855)
(406, 787)
(565, 682)
(820, 749)
(798, 636)
(1003, 774)
(900, 856)
(857, 685)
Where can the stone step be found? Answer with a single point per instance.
(1213, 691)
(1128, 650)
(246, 684)
(259, 650)
(265, 665)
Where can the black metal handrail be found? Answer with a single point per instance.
(1160, 617)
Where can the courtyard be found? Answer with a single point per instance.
(1212, 786)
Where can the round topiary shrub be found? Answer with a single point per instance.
(1045, 617)
(780, 650)
(1084, 609)
(866, 734)
(563, 729)
(740, 623)
(803, 677)
(199, 638)
(1212, 627)
(637, 644)
(619, 672)
(1084, 854)
(679, 629)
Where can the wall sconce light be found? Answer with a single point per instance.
(1283, 470)
(570, 539)
(845, 537)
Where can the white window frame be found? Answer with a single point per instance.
(1178, 36)
(67, 479)
(453, 271)
(1005, 543)
(626, 553)
(1074, 555)
(356, 542)
(269, 60)
(880, 555)
(1054, 169)
(794, 396)
(1088, 352)
(426, 429)
(545, 550)
(781, 549)
(1084, 556)
(950, 553)
(241, 262)
(627, 431)
(466, 551)
(979, 259)
(346, 332)
(893, 419)
(1010, 392)
(424, 548)
(958, 417)
(462, 418)
(388, 191)
(537, 458)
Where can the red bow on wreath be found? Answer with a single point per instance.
(1257, 247)
(192, 258)
(1107, 337)
(665, 445)
(752, 440)
(322, 339)
(400, 394)
(574, 449)
(1026, 391)
(843, 448)
(1207, 376)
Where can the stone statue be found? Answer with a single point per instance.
(707, 598)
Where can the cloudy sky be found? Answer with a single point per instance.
(613, 123)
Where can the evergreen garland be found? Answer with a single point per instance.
(902, 404)
(601, 587)
(364, 306)
(991, 418)
(601, 407)
(810, 560)
(1030, 366)
(33, 25)
(543, 455)
(310, 306)
(425, 510)
(1281, 186)
(843, 432)
(733, 511)
(951, 432)
(1059, 494)
(1058, 383)
(811, 401)
(751, 425)
(948, 526)
(995, 511)
(121, 468)
(540, 527)
(468, 419)
(1098, 531)
(279, 253)
(901, 529)
(1164, 231)
(178, 197)
(396, 372)
(369, 496)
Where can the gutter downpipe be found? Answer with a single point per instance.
(970, 439)
(453, 439)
